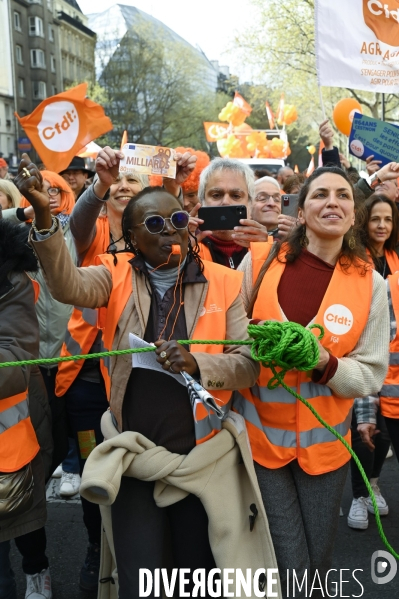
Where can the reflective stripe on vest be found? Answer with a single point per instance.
(280, 427)
(18, 442)
(82, 326)
(389, 394)
(223, 288)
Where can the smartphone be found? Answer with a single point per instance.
(289, 204)
(221, 218)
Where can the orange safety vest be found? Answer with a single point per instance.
(389, 394)
(82, 326)
(224, 287)
(18, 441)
(392, 259)
(280, 427)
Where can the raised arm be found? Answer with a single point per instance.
(87, 287)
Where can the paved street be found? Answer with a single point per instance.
(67, 545)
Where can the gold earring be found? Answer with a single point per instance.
(352, 241)
(304, 240)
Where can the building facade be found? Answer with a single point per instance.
(47, 47)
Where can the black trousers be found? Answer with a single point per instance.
(85, 404)
(139, 528)
(393, 430)
(372, 461)
(58, 416)
(32, 547)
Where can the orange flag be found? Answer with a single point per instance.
(215, 131)
(124, 139)
(320, 153)
(242, 103)
(310, 167)
(270, 116)
(64, 124)
(280, 110)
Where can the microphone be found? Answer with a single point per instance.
(176, 249)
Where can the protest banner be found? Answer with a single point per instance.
(64, 124)
(365, 53)
(373, 137)
(215, 131)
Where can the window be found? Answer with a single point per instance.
(39, 90)
(36, 26)
(37, 59)
(18, 54)
(54, 90)
(21, 88)
(50, 5)
(52, 63)
(17, 21)
(51, 33)
(35, 1)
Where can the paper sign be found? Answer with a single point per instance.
(149, 359)
(373, 137)
(148, 160)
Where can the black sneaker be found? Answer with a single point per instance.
(90, 571)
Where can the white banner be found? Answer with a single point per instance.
(357, 44)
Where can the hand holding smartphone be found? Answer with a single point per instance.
(221, 218)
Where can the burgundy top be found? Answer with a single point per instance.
(300, 292)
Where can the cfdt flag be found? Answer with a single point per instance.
(64, 124)
(357, 44)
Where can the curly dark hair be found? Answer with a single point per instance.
(348, 257)
(128, 219)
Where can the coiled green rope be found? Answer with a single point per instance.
(282, 345)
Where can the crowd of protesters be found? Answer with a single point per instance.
(88, 257)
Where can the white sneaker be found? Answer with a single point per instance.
(390, 452)
(57, 472)
(380, 501)
(38, 586)
(70, 484)
(358, 516)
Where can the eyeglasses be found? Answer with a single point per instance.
(155, 224)
(265, 197)
(53, 191)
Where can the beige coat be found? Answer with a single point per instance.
(220, 472)
(91, 287)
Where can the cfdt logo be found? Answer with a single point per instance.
(383, 19)
(338, 319)
(383, 567)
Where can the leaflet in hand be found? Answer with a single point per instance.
(148, 359)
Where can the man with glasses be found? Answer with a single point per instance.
(266, 206)
(227, 182)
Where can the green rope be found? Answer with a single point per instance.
(283, 345)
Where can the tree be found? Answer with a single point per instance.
(156, 89)
(281, 47)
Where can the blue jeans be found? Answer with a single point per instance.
(8, 588)
(71, 462)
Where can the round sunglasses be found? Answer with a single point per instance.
(156, 223)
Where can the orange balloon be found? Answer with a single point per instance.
(343, 114)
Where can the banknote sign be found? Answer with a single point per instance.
(148, 160)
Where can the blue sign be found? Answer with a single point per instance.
(24, 144)
(373, 137)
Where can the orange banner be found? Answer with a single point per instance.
(242, 103)
(280, 110)
(124, 139)
(215, 131)
(64, 124)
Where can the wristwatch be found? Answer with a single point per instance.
(373, 181)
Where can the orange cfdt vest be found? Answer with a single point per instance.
(18, 442)
(82, 326)
(224, 287)
(392, 259)
(389, 394)
(280, 427)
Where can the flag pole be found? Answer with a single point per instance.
(323, 110)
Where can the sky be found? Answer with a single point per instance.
(212, 24)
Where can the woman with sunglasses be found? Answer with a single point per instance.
(162, 292)
(96, 225)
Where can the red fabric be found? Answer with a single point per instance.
(227, 247)
(300, 293)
